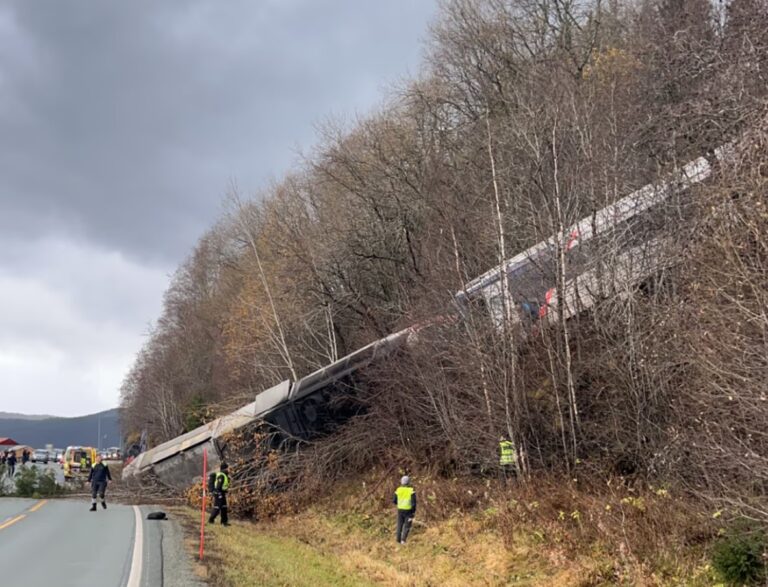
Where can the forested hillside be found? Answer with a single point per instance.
(527, 116)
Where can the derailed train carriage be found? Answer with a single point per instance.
(634, 228)
(301, 410)
(308, 408)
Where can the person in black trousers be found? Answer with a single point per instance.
(220, 488)
(405, 500)
(11, 462)
(99, 476)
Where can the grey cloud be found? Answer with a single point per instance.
(121, 125)
(125, 121)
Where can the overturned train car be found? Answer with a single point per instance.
(301, 409)
(522, 288)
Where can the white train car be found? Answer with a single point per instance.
(301, 409)
(305, 408)
(529, 291)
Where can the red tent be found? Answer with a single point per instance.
(7, 441)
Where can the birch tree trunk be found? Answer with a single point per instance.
(278, 334)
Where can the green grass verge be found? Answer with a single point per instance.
(240, 556)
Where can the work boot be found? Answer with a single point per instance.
(104, 505)
(93, 508)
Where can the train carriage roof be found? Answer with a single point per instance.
(636, 202)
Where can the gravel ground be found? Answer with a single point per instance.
(175, 567)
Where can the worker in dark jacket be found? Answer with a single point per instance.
(405, 500)
(11, 462)
(220, 488)
(99, 476)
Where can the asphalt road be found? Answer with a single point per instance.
(60, 543)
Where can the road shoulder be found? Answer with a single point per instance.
(167, 562)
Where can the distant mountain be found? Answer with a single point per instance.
(62, 432)
(15, 416)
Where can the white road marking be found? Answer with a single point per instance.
(134, 579)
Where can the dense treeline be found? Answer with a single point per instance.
(529, 115)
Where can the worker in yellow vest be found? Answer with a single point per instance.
(219, 491)
(405, 500)
(507, 459)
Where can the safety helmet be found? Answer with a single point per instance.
(405, 480)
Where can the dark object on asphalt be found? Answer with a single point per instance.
(157, 516)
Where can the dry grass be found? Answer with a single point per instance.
(239, 556)
(542, 534)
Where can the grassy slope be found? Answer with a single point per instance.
(332, 545)
(240, 556)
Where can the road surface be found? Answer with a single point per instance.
(60, 543)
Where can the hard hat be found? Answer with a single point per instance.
(405, 480)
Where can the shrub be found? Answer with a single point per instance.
(738, 557)
(4, 481)
(47, 486)
(31, 483)
(26, 481)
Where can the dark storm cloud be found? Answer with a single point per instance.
(121, 125)
(122, 122)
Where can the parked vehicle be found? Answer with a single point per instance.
(74, 457)
(40, 456)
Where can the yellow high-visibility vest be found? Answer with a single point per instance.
(225, 483)
(507, 454)
(404, 497)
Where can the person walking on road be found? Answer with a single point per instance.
(11, 462)
(219, 490)
(405, 500)
(99, 476)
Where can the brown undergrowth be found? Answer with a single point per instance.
(549, 531)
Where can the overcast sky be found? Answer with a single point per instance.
(121, 125)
